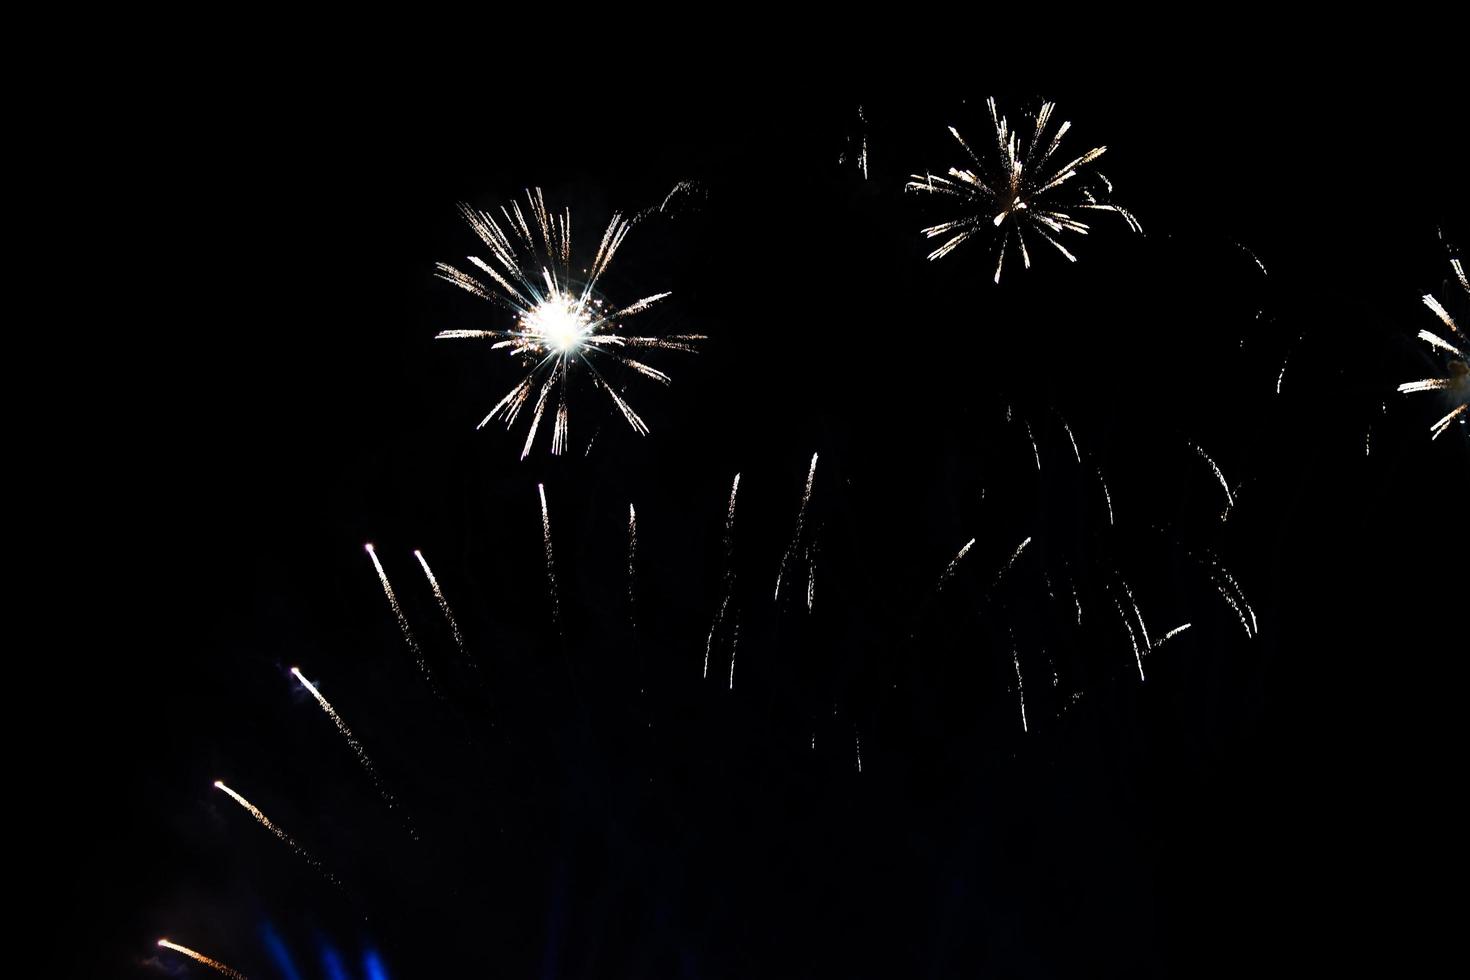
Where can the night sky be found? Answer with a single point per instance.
(589, 805)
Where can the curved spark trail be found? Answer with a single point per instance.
(194, 954)
(354, 744)
(281, 835)
(1020, 687)
(632, 564)
(729, 583)
(1220, 477)
(408, 637)
(550, 559)
(1011, 561)
(1172, 633)
(811, 475)
(1132, 638)
(443, 606)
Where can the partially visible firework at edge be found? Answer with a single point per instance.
(1455, 386)
(561, 323)
(1023, 191)
(194, 954)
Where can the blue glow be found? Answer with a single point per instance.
(332, 964)
(279, 953)
(373, 966)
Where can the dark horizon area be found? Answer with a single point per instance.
(589, 803)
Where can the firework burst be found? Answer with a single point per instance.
(1022, 193)
(562, 324)
(1454, 351)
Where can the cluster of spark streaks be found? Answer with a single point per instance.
(362, 757)
(550, 557)
(404, 628)
(1455, 386)
(443, 605)
(280, 834)
(796, 539)
(1219, 478)
(561, 324)
(1022, 191)
(197, 956)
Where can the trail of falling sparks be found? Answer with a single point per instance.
(1073, 440)
(857, 747)
(1020, 687)
(443, 606)
(550, 558)
(1011, 561)
(408, 637)
(734, 647)
(1172, 633)
(355, 745)
(1132, 638)
(1024, 193)
(806, 497)
(729, 584)
(1142, 628)
(1107, 497)
(632, 564)
(284, 837)
(559, 323)
(1220, 477)
(194, 954)
(954, 563)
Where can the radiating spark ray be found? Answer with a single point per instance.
(1020, 687)
(632, 563)
(857, 747)
(404, 628)
(194, 954)
(1132, 638)
(1107, 497)
(734, 646)
(1011, 561)
(1455, 386)
(280, 834)
(443, 605)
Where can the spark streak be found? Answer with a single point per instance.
(1132, 638)
(806, 497)
(443, 606)
(954, 563)
(281, 835)
(408, 637)
(632, 564)
(550, 558)
(1172, 633)
(194, 954)
(1011, 561)
(352, 743)
(1020, 687)
(1229, 497)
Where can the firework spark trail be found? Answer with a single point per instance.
(1172, 633)
(729, 583)
(730, 529)
(1143, 629)
(281, 835)
(954, 563)
(734, 646)
(1220, 477)
(194, 954)
(550, 559)
(1036, 452)
(632, 564)
(444, 607)
(1020, 686)
(1073, 440)
(558, 323)
(1132, 638)
(857, 746)
(1254, 258)
(1107, 497)
(1011, 561)
(408, 637)
(806, 497)
(713, 630)
(356, 746)
(1025, 187)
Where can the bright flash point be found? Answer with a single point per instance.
(559, 323)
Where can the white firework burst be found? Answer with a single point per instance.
(562, 324)
(1455, 350)
(1023, 193)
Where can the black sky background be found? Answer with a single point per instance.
(595, 809)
